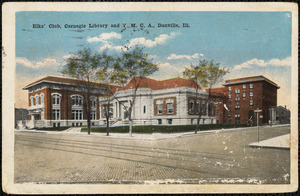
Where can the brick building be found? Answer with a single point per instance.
(246, 95)
(57, 101)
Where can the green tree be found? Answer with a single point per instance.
(82, 66)
(104, 75)
(133, 65)
(204, 75)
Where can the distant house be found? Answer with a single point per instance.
(283, 115)
(21, 115)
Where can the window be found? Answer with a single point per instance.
(211, 109)
(237, 116)
(251, 102)
(217, 112)
(198, 107)
(111, 111)
(36, 100)
(229, 95)
(55, 99)
(237, 107)
(244, 86)
(42, 98)
(170, 106)
(93, 115)
(251, 85)
(76, 100)
(32, 100)
(159, 121)
(93, 101)
(229, 103)
(229, 88)
(229, 113)
(77, 114)
(191, 106)
(58, 124)
(251, 94)
(237, 90)
(159, 108)
(170, 121)
(237, 99)
(203, 108)
(244, 94)
(56, 114)
(144, 109)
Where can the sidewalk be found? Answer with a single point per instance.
(276, 142)
(75, 131)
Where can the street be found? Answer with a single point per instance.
(220, 157)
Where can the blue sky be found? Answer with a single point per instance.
(248, 43)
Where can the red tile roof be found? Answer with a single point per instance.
(160, 84)
(145, 83)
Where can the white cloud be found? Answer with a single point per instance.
(170, 67)
(161, 39)
(47, 62)
(112, 47)
(104, 37)
(262, 63)
(175, 56)
(69, 56)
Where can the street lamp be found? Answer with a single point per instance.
(257, 119)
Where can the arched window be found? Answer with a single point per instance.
(56, 99)
(32, 101)
(36, 100)
(76, 100)
(42, 98)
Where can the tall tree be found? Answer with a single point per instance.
(204, 75)
(133, 65)
(82, 66)
(104, 75)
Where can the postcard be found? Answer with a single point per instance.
(134, 97)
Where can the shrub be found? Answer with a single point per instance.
(52, 128)
(163, 128)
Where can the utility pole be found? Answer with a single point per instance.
(257, 119)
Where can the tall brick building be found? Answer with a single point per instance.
(246, 95)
